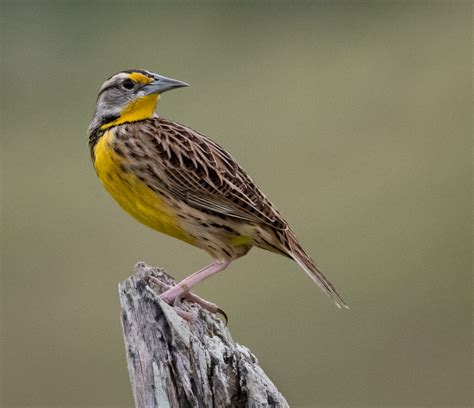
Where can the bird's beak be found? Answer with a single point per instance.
(162, 84)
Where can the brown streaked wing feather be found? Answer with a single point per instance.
(198, 171)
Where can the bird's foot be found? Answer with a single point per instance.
(191, 297)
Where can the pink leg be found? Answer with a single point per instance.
(191, 280)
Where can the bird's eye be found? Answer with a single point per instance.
(128, 84)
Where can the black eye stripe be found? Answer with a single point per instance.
(115, 85)
(107, 88)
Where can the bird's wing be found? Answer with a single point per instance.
(192, 168)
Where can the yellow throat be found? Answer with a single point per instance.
(138, 109)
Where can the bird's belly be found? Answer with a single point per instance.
(133, 195)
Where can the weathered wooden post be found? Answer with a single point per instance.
(174, 363)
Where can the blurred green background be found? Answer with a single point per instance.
(355, 119)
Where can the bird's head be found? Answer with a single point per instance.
(129, 96)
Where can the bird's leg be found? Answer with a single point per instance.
(187, 283)
(190, 296)
(205, 304)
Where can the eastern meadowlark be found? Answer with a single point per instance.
(178, 182)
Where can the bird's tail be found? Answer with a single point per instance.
(308, 265)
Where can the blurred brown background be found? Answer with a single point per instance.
(356, 122)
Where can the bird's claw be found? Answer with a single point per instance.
(176, 302)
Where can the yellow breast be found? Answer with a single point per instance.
(132, 194)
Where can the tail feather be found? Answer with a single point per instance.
(308, 265)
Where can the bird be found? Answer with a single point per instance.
(181, 183)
